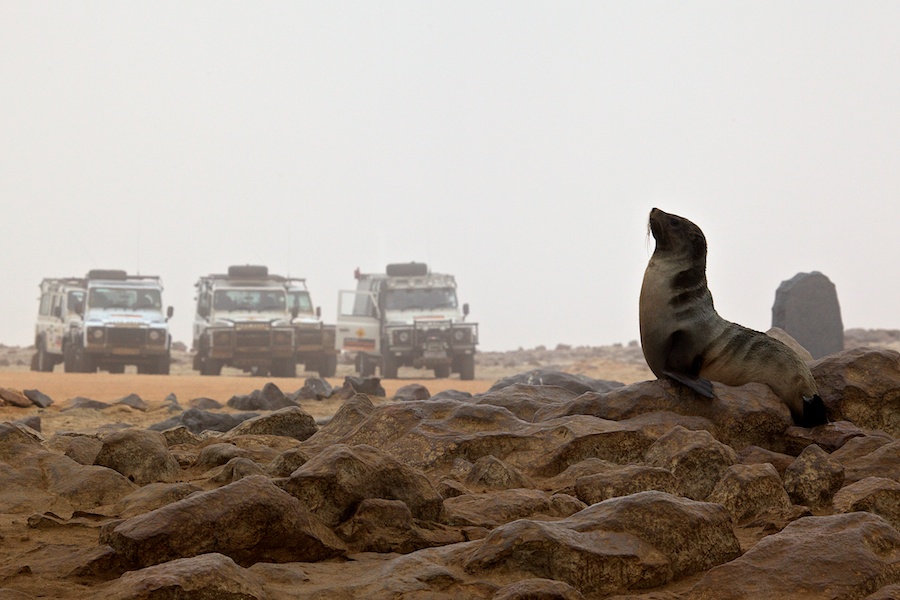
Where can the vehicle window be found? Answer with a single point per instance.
(300, 301)
(127, 298)
(420, 299)
(74, 301)
(46, 299)
(258, 300)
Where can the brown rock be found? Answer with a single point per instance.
(828, 437)
(16, 398)
(748, 491)
(153, 496)
(538, 589)
(496, 508)
(492, 473)
(753, 455)
(140, 455)
(861, 385)
(250, 521)
(206, 576)
(884, 461)
(624, 481)
(814, 478)
(291, 421)
(335, 481)
(840, 556)
(388, 526)
(873, 494)
(695, 458)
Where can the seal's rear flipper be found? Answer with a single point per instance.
(698, 384)
(813, 412)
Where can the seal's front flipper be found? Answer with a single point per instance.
(813, 412)
(698, 384)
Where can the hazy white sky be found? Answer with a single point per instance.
(518, 145)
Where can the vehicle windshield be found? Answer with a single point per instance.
(249, 299)
(127, 298)
(420, 299)
(74, 301)
(300, 301)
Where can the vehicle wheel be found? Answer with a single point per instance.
(68, 359)
(328, 366)
(43, 361)
(467, 368)
(389, 367)
(367, 368)
(82, 362)
(442, 372)
(164, 366)
(208, 366)
(34, 361)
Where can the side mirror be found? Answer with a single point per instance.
(203, 310)
(295, 311)
(319, 312)
(79, 308)
(57, 311)
(466, 309)
(169, 312)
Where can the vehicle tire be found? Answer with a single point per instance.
(208, 366)
(467, 368)
(389, 367)
(165, 363)
(367, 366)
(68, 359)
(328, 366)
(43, 361)
(82, 361)
(442, 372)
(34, 361)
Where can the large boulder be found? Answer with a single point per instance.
(211, 575)
(250, 521)
(807, 308)
(876, 495)
(140, 455)
(747, 415)
(748, 491)
(578, 384)
(268, 398)
(840, 556)
(380, 525)
(695, 458)
(292, 422)
(333, 483)
(198, 421)
(633, 542)
(861, 385)
(814, 478)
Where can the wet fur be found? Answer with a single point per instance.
(685, 339)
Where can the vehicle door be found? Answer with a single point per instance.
(358, 322)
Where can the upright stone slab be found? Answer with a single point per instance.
(806, 307)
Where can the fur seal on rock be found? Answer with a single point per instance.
(684, 338)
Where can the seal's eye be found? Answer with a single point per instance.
(674, 222)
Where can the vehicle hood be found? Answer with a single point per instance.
(125, 318)
(243, 317)
(408, 317)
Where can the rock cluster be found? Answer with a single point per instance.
(529, 490)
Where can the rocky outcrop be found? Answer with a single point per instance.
(140, 455)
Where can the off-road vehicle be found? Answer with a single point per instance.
(407, 316)
(61, 302)
(313, 340)
(120, 322)
(243, 321)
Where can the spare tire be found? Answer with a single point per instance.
(248, 271)
(411, 269)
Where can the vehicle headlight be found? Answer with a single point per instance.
(222, 338)
(460, 335)
(402, 337)
(155, 335)
(96, 334)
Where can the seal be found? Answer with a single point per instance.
(684, 339)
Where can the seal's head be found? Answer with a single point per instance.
(677, 236)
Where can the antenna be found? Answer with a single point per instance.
(138, 242)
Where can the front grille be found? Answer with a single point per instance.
(307, 337)
(125, 337)
(252, 339)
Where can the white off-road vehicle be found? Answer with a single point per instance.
(120, 322)
(407, 316)
(313, 340)
(243, 321)
(61, 303)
